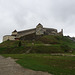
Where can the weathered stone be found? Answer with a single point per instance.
(39, 30)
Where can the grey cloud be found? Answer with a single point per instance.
(63, 9)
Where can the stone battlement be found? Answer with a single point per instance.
(39, 30)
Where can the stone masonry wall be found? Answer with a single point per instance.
(8, 37)
(39, 30)
(23, 33)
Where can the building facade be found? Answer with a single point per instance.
(38, 31)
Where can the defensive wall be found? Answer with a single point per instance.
(39, 30)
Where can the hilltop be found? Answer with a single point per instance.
(44, 44)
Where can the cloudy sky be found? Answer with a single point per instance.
(26, 14)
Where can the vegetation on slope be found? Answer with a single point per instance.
(44, 44)
(57, 65)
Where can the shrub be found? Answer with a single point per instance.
(65, 47)
(19, 44)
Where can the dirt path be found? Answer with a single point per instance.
(8, 66)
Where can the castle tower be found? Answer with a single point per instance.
(61, 32)
(14, 33)
(39, 29)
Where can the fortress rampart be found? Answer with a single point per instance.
(39, 30)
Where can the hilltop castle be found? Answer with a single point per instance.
(38, 31)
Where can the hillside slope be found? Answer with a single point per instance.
(44, 44)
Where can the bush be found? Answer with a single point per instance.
(65, 47)
(19, 44)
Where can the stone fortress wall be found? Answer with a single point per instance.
(39, 30)
(8, 37)
(26, 32)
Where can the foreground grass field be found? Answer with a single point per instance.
(56, 65)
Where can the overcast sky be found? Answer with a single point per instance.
(26, 14)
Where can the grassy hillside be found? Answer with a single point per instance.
(39, 57)
(44, 44)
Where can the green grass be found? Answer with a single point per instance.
(37, 48)
(56, 44)
(56, 65)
